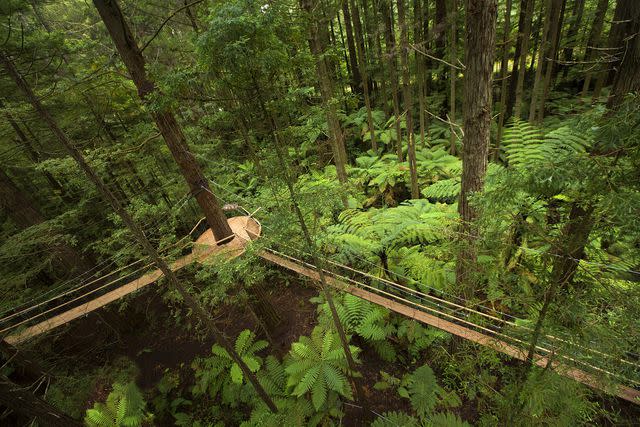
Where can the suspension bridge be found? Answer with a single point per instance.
(498, 331)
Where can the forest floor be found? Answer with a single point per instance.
(107, 334)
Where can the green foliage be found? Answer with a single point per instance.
(422, 389)
(125, 407)
(395, 419)
(367, 320)
(527, 146)
(219, 374)
(317, 366)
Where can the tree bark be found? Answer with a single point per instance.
(356, 77)
(165, 120)
(520, 68)
(504, 69)
(537, 84)
(365, 74)
(595, 35)
(317, 45)
(421, 31)
(24, 402)
(439, 32)
(453, 45)
(408, 99)
(390, 43)
(133, 227)
(576, 19)
(557, 6)
(480, 32)
(627, 77)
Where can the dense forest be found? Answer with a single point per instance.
(319, 212)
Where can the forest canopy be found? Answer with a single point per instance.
(319, 212)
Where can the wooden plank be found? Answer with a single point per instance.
(204, 249)
(624, 392)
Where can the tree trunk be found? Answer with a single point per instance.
(165, 120)
(617, 45)
(439, 32)
(317, 45)
(576, 19)
(537, 84)
(31, 152)
(191, 16)
(452, 71)
(421, 31)
(390, 42)
(524, 34)
(504, 69)
(356, 77)
(365, 74)
(24, 402)
(627, 77)
(134, 228)
(17, 205)
(552, 53)
(480, 32)
(326, 292)
(408, 99)
(595, 35)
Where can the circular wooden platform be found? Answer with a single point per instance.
(244, 228)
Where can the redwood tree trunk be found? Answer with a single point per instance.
(317, 45)
(627, 77)
(408, 99)
(595, 35)
(165, 120)
(133, 227)
(21, 400)
(365, 73)
(480, 32)
(520, 67)
(390, 42)
(356, 77)
(504, 69)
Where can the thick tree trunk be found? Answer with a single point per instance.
(356, 77)
(390, 42)
(317, 45)
(557, 7)
(627, 77)
(365, 74)
(538, 82)
(616, 43)
(31, 152)
(21, 400)
(133, 227)
(480, 32)
(577, 12)
(165, 120)
(439, 32)
(524, 34)
(16, 204)
(504, 69)
(421, 31)
(595, 35)
(408, 99)
(453, 56)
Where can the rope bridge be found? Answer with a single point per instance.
(474, 323)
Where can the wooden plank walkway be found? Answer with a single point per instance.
(204, 249)
(248, 229)
(624, 392)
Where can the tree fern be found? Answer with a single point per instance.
(422, 390)
(125, 407)
(317, 367)
(395, 419)
(446, 419)
(526, 146)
